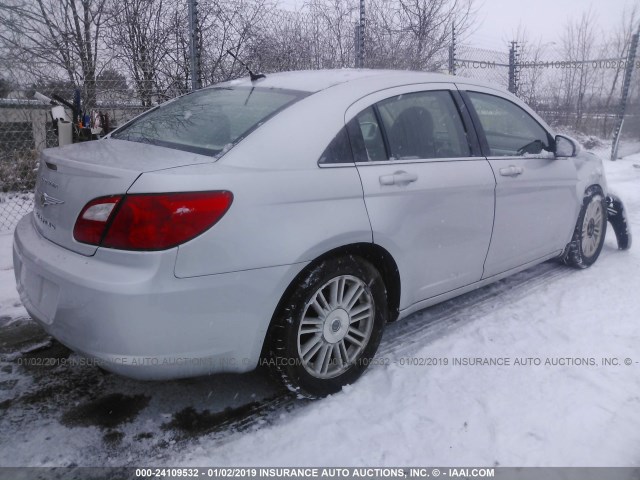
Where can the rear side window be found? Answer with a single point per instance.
(210, 120)
(339, 150)
(423, 125)
(510, 130)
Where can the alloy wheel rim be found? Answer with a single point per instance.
(336, 326)
(592, 228)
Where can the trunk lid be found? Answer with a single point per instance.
(69, 177)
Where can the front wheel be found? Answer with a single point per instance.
(588, 236)
(330, 326)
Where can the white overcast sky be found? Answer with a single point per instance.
(498, 20)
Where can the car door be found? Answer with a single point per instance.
(535, 191)
(428, 191)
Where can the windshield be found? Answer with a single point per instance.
(208, 121)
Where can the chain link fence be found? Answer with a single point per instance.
(148, 63)
(145, 51)
(629, 139)
(491, 66)
(577, 96)
(26, 128)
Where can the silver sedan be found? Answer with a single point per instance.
(287, 219)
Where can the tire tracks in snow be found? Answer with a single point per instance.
(183, 429)
(408, 335)
(412, 333)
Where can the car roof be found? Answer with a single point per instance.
(315, 80)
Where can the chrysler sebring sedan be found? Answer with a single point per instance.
(289, 218)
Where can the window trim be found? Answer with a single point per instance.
(466, 123)
(417, 160)
(469, 126)
(383, 130)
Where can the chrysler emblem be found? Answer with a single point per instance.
(46, 200)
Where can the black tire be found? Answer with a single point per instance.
(285, 344)
(580, 252)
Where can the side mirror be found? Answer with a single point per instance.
(565, 147)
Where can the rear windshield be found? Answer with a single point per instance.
(208, 121)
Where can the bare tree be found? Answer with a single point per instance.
(385, 41)
(112, 86)
(415, 34)
(63, 34)
(333, 22)
(140, 31)
(428, 24)
(5, 87)
(230, 25)
(578, 47)
(155, 49)
(288, 43)
(321, 35)
(175, 70)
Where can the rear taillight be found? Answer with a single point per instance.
(155, 221)
(93, 219)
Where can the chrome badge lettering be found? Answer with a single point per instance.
(44, 221)
(50, 183)
(46, 200)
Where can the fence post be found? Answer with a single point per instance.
(356, 43)
(513, 68)
(361, 37)
(194, 45)
(452, 51)
(625, 95)
(39, 128)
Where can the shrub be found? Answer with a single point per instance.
(18, 171)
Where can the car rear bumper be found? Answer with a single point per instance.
(128, 311)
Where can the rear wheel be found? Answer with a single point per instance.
(330, 326)
(588, 236)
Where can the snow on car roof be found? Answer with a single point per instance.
(316, 80)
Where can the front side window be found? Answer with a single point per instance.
(510, 131)
(208, 121)
(423, 125)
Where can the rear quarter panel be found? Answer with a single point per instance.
(286, 209)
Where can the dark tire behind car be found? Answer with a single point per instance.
(591, 228)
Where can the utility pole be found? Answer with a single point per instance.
(194, 45)
(452, 51)
(622, 108)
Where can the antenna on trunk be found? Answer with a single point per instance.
(253, 76)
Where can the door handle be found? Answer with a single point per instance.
(511, 171)
(398, 178)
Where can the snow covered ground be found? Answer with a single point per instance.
(13, 206)
(575, 411)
